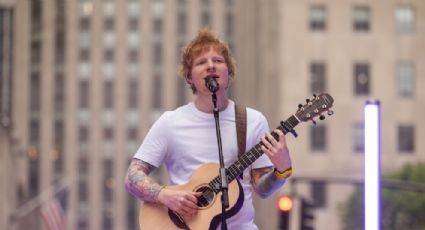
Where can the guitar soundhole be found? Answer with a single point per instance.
(207, 198)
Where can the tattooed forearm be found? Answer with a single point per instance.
(138, 183)
(265, 182)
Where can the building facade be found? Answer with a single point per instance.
(91, 76)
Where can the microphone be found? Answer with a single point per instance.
(212, 84)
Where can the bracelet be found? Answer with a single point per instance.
(283, 175)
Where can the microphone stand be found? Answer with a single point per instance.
(224, 183)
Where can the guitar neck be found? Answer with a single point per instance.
(246, 159)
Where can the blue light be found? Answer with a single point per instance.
(372, 166)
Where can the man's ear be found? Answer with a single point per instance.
(189, 79)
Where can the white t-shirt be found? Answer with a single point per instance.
(185, 139)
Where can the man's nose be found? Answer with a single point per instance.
(210, 66)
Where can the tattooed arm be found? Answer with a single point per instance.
(139, 184)
(265, 182)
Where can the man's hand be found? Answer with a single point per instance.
(277, 151)
(184, 203)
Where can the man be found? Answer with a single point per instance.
(185, 139)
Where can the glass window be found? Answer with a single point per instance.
(406, 138)
(133, 93)
(318, 77)
(84, 40)
(35, 92)
(109, 39)
(109, 70)
(133, 39)
(133, 69)
(84, 55)
(318, 17)
(405, 18)
(85, 23)
(83, 135)
(157, 54)
(405, 79)
(109, 55)
(157, 94)
(109, 24)
(318, 138)
(86, 8)
(109, 9)
(108, 95)
(361, 18)
(318, 193)
(133, 118)
(84, 94)
(133, 9)
(84, 69)
(230, 24)
(361, 77)
(181, 23)
(358, 137)
(157, 8)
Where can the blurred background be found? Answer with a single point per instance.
(82, 81)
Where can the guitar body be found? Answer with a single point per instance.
(157, 216)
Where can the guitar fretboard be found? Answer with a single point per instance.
(246, 159)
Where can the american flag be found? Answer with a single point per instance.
(53, 212)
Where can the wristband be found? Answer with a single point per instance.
(283, 175)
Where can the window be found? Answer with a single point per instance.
(85, 23)
(157, 54)
(59, 89)
(84, 94)
(82, 190)
(405, 79)
(109, 39)
(108, 95)
(133, 9)
(181, 23)
(109, 24)
(35, 92)
(84, 40)
(133, 39)
(83, 134)
(133, 93)
(205, 12)
(318, 193)
(361, 18)
(109, 9)
(84, 55)
(318, 77)
(358, 137)
(406, 138)
(318, 137)
(361, 79)
(230, 22)
(405, 19)
(157, 94)
(317, 17)
(109, 55)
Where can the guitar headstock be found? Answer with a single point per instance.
(314, 107)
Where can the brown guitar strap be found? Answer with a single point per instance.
(240, 114)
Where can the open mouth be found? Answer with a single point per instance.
(212, 75)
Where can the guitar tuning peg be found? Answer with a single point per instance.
(314, 95)
(307, 100)
(330, 112)
(322, 117)
(300, 106)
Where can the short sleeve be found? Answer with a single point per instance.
(153, 149)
